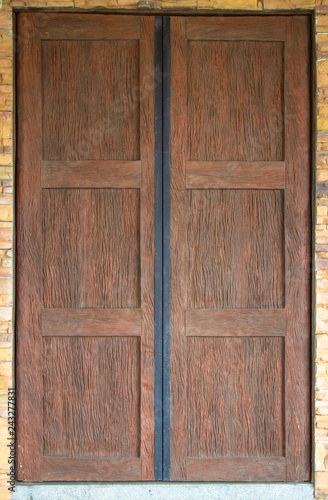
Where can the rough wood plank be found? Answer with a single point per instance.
(93, 27)
(178, 244)
(28, 310)
(235, 397)
(268, 28)
(91, 322)
(235, 100)
(91, 399)
(147, 245)
(97, 105)
(235, 249)
(236, 469)
(235, 322)
(95, 261)
(243, 175)
(298, 249)
(91, 174)
(92, 95)
(95, 469)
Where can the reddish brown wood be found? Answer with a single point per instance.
(91, 174)
(225, 174)
(178, 244)
(89, 210)
(95, 469)
(298, 249)
(28, 256)
(237, 469)
(78, 27)
(240, 118)
(147, 244)
(269, 28)
(95, 261)
(91, 88)
(235, 397)
(240, 249)
(91, 322)
(91, 397)
(235, 249)
(235, 322)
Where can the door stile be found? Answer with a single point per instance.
(178, 347)
(28, 251)
(147, 244)
(297, 250)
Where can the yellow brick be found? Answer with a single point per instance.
(176, 4)
(229, 4)
(4, 455)
(322, 341)
(5, 378)
(321, 408)
(6, 213)
(5, 355)
(322, 120)
(320, 368)
(321, 384)
(321, 209)
(289, 4)
(322, 73)
(6, 300)
(5, 314)
(321, 481)
(128, 3)
(6, 173)
(100, 3)
(4, 493)
(322, 109)
(321, 37)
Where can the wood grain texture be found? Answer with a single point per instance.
(81, 27)
(242, 412)
(268, 28)
(91, 254)
(147, 245)
(235, 322)
(237, 469)
(253, 175)
(91, 248)
(91, 397)
(240, 117)
(28, 255)
(235, 397)
(298, 250)
(235, 249)
(92, 93)
(178, 245)
(91, 174)
(95, 469)
(91, 322)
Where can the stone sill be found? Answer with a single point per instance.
(164, 491)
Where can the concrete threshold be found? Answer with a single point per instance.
(164, 491)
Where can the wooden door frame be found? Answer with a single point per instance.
(162, 215)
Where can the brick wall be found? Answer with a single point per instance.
(321, 229)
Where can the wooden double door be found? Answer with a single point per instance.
(218, 387)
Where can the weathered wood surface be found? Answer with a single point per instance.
(86, 150)
(91, 174)
(240, 258)
(91, 322)
(235, 322)
(244, 175)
